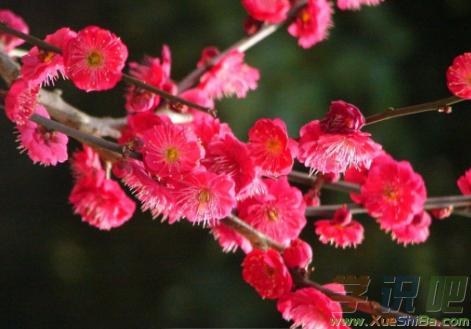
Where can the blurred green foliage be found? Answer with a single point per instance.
(58, 272)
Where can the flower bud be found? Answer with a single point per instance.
(342, 118)
(298, 254)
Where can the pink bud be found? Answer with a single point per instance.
(441, 213)
(251, 26)
(342, 118)
(298, 254)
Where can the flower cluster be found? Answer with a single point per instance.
(268, 272)
(335, 143)
(311, 24)
(99, 200)
(199, 171)
(394, 194)
(341, 230)
(154, 72)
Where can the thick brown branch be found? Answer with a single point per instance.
(258, 239)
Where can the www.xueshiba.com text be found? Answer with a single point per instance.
(401, 321)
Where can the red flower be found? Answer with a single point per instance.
(154, 72)
(101, 202)
(312, 23)
(270, 11)
(312, 198)
(204, 197)
(208, 128)
(464, 183)
(228, 156)
(459, 76)
(336, 143)
(229, 76)
(279, 213)
(356, 176)
(229, 239)
(298, 254)
(95, 59)
(7, 41)
(356, 4)
(85, 162)
(266, 273)
(415, 232)
(270, 147)
(309, 308)
(21, 101)
(46, 147)
(155, 195)
(441, 213)
(170, 149)
(196, 96)
(393, 193)
(341, 230)
(42, 67)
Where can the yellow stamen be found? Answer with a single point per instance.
(272, 214)
(171, 155)
(46, 56)
(204, 196)
(391, 193)
(305, 16)
(94, 59)
(274, 146)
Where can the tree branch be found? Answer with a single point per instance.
(308, 180)
(456, 201)
(87, 126)
(63, 111)
(439, 105)
(126, 77)
(300, 277)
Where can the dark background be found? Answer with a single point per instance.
(56, 272)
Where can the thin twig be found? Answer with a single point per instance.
(82, 137)
(457, 201)
(441, 104)
(242, 45)
(299, 177)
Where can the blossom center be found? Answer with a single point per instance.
(273, 146)
(46, 56)
(272, 214)
(305, 16)
(204, 196)
(269, 271)
(391, 193)
(171, 154)
(94, 59)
